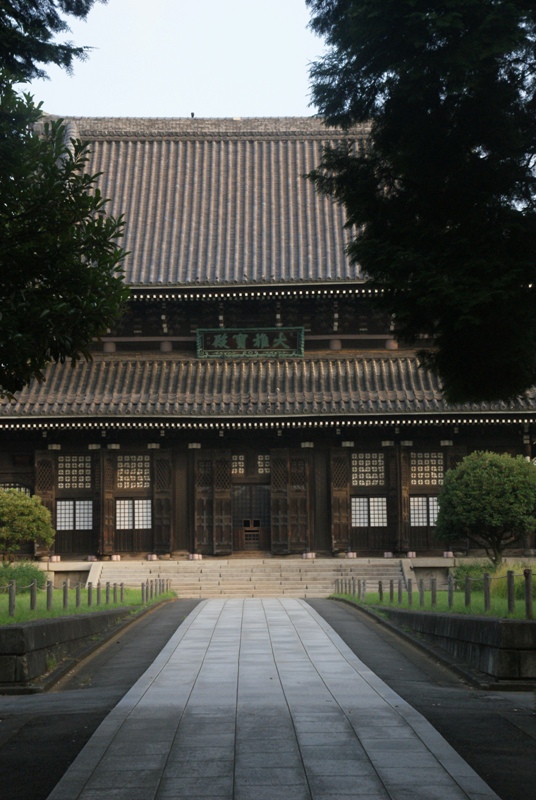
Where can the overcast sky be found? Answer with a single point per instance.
(216, 58)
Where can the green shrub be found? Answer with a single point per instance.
(23, 572)
(499, 586)
(23, 519)
(475, 572)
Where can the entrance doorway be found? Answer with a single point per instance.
(251, 517)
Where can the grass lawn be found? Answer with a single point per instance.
(23, 613)
(499, 605)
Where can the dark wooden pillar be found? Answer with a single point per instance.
(162, 501)
(403, 470)
(107, 531)
(392, 468)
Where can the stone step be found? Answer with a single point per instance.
(251, 577)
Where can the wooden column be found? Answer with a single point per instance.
(403, 476)
(162, 501)
(107, 532)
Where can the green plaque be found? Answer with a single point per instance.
(250, 342)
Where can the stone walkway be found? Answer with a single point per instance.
(261, 700)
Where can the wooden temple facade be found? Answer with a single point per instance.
(251, 397)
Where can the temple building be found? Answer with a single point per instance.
(251, 397)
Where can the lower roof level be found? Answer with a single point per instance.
(166, 392)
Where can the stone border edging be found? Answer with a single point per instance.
(45, 681)
(472, 675)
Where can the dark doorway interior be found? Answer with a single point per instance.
(251, 517)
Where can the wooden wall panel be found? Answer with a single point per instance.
(45, 483)
(223, 521)
(322, 528)
(341, 517)
(182, 529)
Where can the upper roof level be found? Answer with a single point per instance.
(220, 202)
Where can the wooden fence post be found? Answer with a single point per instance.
(487, 591)
(12, 591)
(529, 611)
(421, 593)
(510, 588)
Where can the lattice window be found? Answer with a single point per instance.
(44, 475)
(124, 514)
(339, 476)
(297, 474)
(263, 465)
(238, 464)
(109, 474)
(427, 469)
(423, 511)
(279, 474)
(204, 474)
(133, 514)
(369, 512)
(163, 474)
(18, 486)
(74, 515)
(74, 472)
(368, 469)
(133, 472)
(222, 478)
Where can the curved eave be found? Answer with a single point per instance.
(266, 423)
(253, 291)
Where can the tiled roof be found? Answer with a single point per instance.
(219, 202)
(170, 389)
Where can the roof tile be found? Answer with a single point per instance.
(220, 202)
(173, 389)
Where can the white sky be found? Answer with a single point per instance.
(167, 58)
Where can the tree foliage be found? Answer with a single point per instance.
(490, 498)
(27, 35)
(60, 262)
(23, 519)
(443, 196)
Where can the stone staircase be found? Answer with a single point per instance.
(249, 577)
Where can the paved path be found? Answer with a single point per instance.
(262, 700)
